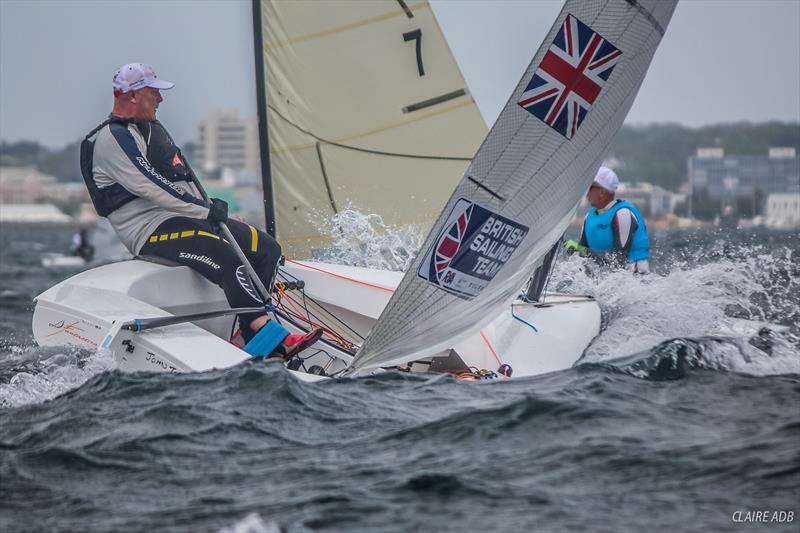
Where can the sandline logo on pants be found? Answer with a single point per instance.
(200, 258)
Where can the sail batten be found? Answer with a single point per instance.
(524, 184)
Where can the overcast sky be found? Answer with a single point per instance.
(720, 61)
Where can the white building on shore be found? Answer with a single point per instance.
(726, 178)
(32, 214)
(28, 195)
(652, 200)
(225, 141)
(783, 210)
(24, 185)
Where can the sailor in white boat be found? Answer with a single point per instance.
(81, 246)
(138, 178)
(614, 231)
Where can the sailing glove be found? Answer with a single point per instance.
(218, 212)
(570, 247)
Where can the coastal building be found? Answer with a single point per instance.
(742, 181)
(651, 200)
(783, 211)
(27, 195)
(225, 141)
(32, 214)
(24, 185)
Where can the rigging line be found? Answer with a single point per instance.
(367, 150)
(334, 335)
(483, 336)
(340, 276)
(313, 320)
(523, 321)
(331, 342)
(329, 321)
(322, 307)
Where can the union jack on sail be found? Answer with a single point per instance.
(570, 77)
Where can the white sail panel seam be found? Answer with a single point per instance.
(342, 29)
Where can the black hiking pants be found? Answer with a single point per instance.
(195, 243)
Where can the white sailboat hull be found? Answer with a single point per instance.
(82, 310)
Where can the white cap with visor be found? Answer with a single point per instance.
(135, 76)
(607, 179)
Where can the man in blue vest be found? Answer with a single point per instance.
(614, 231)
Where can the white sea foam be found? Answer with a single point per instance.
(691, 302)
(365, 240)
(49, 372)
(252, 523)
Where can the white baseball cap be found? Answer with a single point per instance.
(607, 179)
(134, 76)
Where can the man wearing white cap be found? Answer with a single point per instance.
(612, 229)
(138, 178)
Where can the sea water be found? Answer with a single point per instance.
(683, 415)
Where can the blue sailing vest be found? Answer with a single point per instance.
(600, 235)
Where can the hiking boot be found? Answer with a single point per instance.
(294, 344)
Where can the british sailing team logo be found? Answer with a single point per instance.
(570, 77)
(472, 247)
(449, 244)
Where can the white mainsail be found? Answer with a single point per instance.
(347, 84)
(521, 190)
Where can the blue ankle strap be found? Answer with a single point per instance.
(267, 339)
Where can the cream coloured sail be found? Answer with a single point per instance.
(366, 107)
(522, 187)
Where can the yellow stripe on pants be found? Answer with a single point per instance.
(253, 239)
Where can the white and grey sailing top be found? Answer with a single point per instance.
(119, 157)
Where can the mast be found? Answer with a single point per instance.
(263, 132)
(541, 274)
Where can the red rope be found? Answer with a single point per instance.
(342, 277)
(499, 362)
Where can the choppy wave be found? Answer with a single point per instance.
(765, 354)
(250, 447)
(37, 374)
(740, 309)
